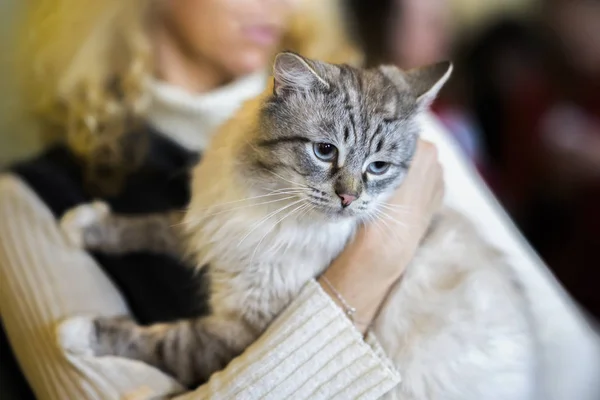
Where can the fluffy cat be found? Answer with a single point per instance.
(278, 195)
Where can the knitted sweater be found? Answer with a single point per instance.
(311, 351)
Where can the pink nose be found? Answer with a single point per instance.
(347, 199)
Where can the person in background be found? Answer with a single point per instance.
(134, 90)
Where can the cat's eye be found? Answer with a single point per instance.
(378, 168)
(325, 151)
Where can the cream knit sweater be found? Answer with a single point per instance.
(312, 351)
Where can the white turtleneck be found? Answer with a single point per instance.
(191, 119)
(312, 351)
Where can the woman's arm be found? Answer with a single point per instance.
(43, 279)
(311, 351)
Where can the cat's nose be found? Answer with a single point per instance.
(347, 199)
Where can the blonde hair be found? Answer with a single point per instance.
(84, 64)
(318, 31)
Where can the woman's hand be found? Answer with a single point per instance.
(381, 250)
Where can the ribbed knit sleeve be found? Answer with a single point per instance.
(44, 280)
(311, 351)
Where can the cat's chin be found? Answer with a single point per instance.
(336, 214)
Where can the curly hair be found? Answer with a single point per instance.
(84, 65)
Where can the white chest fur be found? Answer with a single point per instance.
(259, 260)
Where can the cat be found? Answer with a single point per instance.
(278, 195)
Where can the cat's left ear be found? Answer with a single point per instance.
(427, 82)
(294, 72)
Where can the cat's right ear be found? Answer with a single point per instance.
(292, 72)
(426, 82)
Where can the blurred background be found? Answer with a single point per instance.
(524, 105)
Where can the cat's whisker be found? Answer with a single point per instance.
(295, 192)
(275, 225)
(382, 226)
(390, 230)
(372, 219)
(401, 212)
(271, 190)
(381, 218)
(287, 180)
(388, 216)
(307, 210)
(262, 221)
(366, 219)
(301, 212)
(392, 205)
(284, 189)
(271, 194)
(394, 208)
(297, 209)
(203, 217)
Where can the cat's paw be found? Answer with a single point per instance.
(75, 221)
(78, 335)
(92, 335)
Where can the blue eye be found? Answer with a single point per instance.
(325, 151)
(378, 168)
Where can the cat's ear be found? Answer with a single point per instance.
(294, 72)
(426, 82)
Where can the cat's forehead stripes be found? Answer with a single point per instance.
(370, 103)
(376, 137)
(361, 112)
(282, 140)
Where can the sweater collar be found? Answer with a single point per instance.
(191, 119)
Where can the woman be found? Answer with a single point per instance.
(136, 89)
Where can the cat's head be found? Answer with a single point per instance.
(339, 138)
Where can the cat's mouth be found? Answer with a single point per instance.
(336, 211)
(325, 205)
